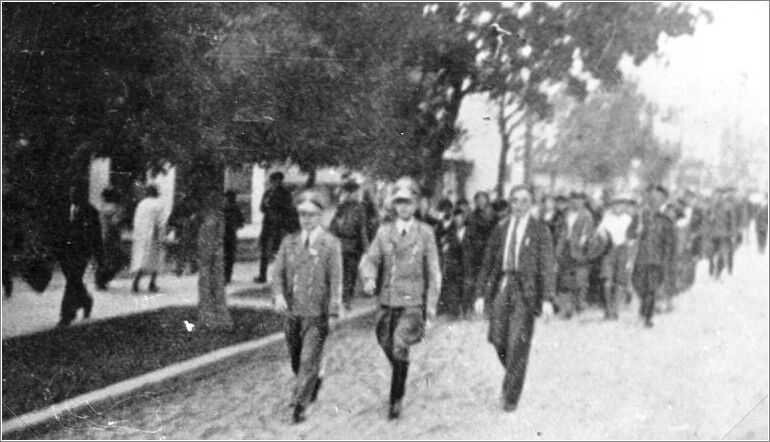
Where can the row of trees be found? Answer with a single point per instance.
(372, 86)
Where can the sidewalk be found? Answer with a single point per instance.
(28, 312)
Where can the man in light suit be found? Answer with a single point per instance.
(517, 275)
(402, 268)
(307, 287)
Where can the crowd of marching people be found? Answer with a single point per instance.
(513, 259)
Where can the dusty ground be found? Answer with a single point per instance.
(697, 375)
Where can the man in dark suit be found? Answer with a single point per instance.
(78, 239)
(233, 221)
(350, 224)
(280, 219)
(654, 263)
(517, 275)
(574, 266)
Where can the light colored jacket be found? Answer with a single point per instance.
(310, 280)
(406, 267)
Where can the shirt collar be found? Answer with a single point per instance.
(401, 224)
(312, 234)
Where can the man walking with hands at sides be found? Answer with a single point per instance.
(517, 275)
(402, 269)
(307, 288)
(655, 252)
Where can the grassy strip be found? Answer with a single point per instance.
(48, 367)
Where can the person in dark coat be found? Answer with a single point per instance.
(760, 225)
(307, 288)
(451, 301)
(76, 242)
(518, 274)
(233, 221)
(721, 222)
(401, 267)
(280, 218)
(574, 266)
(654, 262)
(478, 228)
(350, 225)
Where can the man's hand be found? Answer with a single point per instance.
(369, 286)
(478, 306)
(279, 304)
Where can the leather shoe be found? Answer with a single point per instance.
(395, 410)
(509, 407)
(299, 415)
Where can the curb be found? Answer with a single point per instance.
(52, 412)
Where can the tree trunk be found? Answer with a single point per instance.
(212, 305)
(529, 121)
(505, 147)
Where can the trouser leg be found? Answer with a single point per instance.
(520, 329)
(229, 250)
(314, 333)
(349, 275)
(75, 292)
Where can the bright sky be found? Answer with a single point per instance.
(719, 72)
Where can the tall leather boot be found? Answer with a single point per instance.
(397, 388)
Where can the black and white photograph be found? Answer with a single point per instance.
(385, 220)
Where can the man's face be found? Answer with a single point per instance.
(576, 203)
(521, 202)
(460, 219)
(482, 202)
(617, 208)
(656, 199)
(309, 218)
(405, 208)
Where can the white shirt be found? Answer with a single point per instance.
(571, 218)
(616, 226)
(461, 233)
(685, 220)
(404, 226)
(313, 234)
(520, 230)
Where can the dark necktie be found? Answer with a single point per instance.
(403, 232)
(307, 242)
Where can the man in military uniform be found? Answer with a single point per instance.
(307, 287)
(402, 268)
(517, 275)
(654, 262)
(350, 225)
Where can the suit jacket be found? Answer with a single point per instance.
(657, 241)
(571, 243)
(536, 265)
(309, 279)
(406, 267)
(81, 238)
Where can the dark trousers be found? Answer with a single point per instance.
(230, 247)
(761, 240)
(305, 338)
(646, 280)
(75, 293)
(722, 256)
(512, 325)
(267, 249)
(349, 275)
